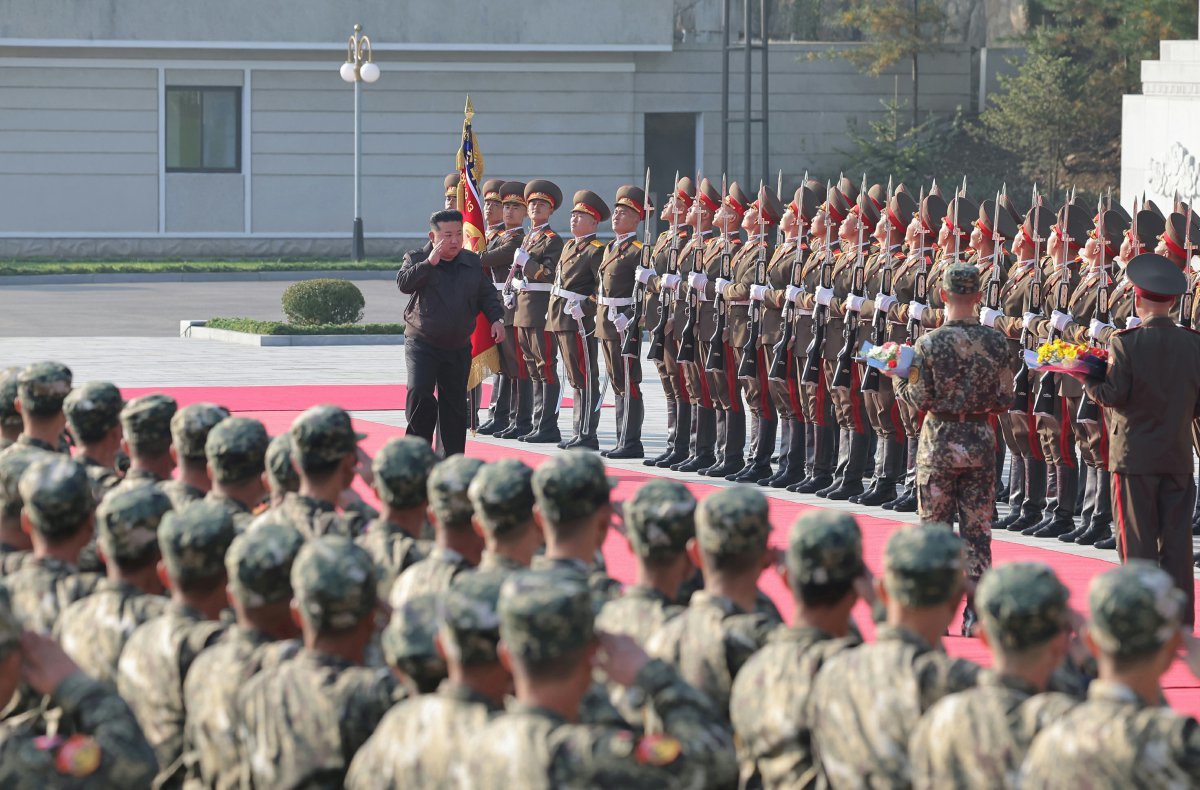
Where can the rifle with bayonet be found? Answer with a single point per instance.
(1033, 304)
(811, 374)
(632, 345)
(1088, 411)
(748, 366)
(1189, 296)
(781, 358)
(843, 372)
(691, 311)
(1046, 404)
(921, 278)
(992, 294)
(666, 297)
(879, 323)
(716, 344)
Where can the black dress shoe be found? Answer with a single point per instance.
(845, 491)
(906, 505)
(543, 437)
(722, 469)
(1060, 526)
(672, 460)
(1008, 520)
(1002, 495)
(786, 480)
(1024, 522)
(694, 463)
(565, 443)
(511, 432)
(620, 453)
(970, 620)
(1043, 523)
(885, 493)
(753, 473)
(587, 444)
(1076, 533)
(488, 428)
(834, 485)
(655, 460)
(1107, 543)
(811, 485)
(1095, 532)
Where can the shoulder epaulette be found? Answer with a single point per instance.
(1139, 326)
(597, 243)
(548, 233)
(637, 244)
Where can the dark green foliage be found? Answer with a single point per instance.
(323, 301)
(253, 327)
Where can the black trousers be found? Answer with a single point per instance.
(431, 368)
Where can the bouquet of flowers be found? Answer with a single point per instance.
(892, 359)
(1062, 357)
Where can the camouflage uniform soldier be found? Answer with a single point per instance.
(146, 423)
(15, 543)
(961, 375)
(408, 643)
(41, 389)
(302, 722)
(94, 630)
(1123, 737)
(94, 416)
(659, 522)
(421, 742)
(157, 656)
(826, 573)
(501, 495)
(400, 537)
(547, 636)
(458, 547)
(282, 477)
(236, 449)
(325, 451)
(259, 566)
(865, 702)
(189, 431)
(59, 512)
(713, 638)
(95, 742)
(978, 737)
(10, 418)
(571, 492)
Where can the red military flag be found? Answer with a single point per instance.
(485, 357)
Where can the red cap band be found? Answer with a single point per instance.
(586, 209)
(1150, 296)
(1174, 248)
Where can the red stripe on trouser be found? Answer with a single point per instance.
(522, 372)
(821, 395)
(897, 422)
(705, 395)
(793, 386)
(855, 400)
(1103, 440)
(1119, 514)
(583, 369)
(731, 381)
(1035, 447)
(549, 375)
(1065, 434)
(764, 386)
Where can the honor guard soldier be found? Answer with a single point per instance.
(1152, 386)
(451, 185)
(668, 257)
(493, 219)
(714, 350)
(960, 377)
(534, 263)
(1143, 236)
(745, 333)
(685, 329)
(1178, 242)
(622, 257)
(572, 314)
(512, 396)
(1022, 293)
(954, 245)
(820, 427)
(779, 322)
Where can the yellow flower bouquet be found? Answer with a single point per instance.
(1059, 356)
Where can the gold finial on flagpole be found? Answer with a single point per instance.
(469, 110)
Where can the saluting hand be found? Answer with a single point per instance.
(435, 255)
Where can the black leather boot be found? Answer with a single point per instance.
(892, 469)
(856, 461)
(704, 437)
(792, 467)
(677, 450)
(759, 467)
(631, 432)
(672, 421)
(734, 447)
(521, 421)
(546, 431)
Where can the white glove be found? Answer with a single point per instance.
(855, 303)
(697, 281)
(1133, 322)
(510, 301)
(620, 322)
(758, 292)
(520, 257)
(883, 302)
(916, 310)
(518, 284)
(988, 316)
(1028, 318)
(671, 282)
(1096, 328)
(575, 309)
(792, 293)
(721, 285)
(644, 275)
(1060, 320)
(824, 296)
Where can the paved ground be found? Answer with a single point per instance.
(155, 309)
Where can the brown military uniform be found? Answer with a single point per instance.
(757, 396)
(621, 259)
(784, 394)
(679, 406)
(575, 281)
(533, 302)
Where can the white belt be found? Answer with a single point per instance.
(530, 287)
(500, 286)
(565, 294)
(616, 301)
(805, 313)
(738, 303)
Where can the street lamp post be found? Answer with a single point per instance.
(358, 69)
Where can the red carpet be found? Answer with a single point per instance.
(1182, 689)
(352, 397)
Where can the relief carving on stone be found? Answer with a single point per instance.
(1175, 173)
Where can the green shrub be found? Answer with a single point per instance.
(255, 327)
(324, 301)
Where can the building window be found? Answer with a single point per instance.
(204, 130)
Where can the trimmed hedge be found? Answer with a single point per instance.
(323, 301)
(253, 327)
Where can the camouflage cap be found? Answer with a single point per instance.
(9, 416)
(12, 466)
(333, 583)
(571, 485)
(825, 547)
(10, 627)
(408, 645)
(323, 434)
(57, 494)
(193, 541)
(733, 521)
(190, 426)
(236, 448)
(127, 520)
(470, 622)
(1022, 605)
(401, 469)
(545, 614)
(923, 565)
(93, 410)
(501, 495)
(447, 489)
(259, 562)
(147, 422)
(281, 474)
(961, 278)
(1136, 609)
(43, 386)
(660, 519)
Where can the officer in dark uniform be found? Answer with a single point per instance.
(504, 236)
